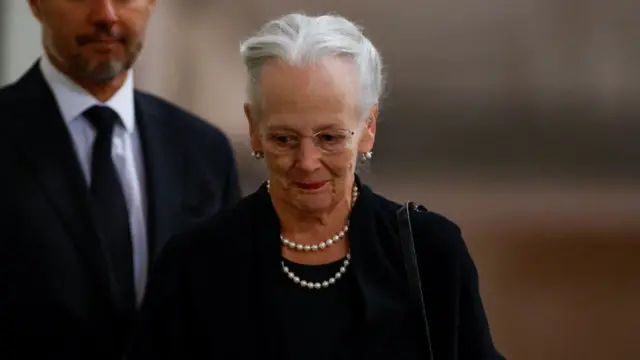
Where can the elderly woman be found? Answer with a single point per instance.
(314, 264)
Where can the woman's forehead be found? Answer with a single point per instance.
(310, 124)
(300, 112)
(330, 84)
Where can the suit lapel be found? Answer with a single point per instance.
(164, 170)
(51, 152)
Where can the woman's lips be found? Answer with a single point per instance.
(311, 185)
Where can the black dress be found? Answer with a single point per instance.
(318, 324)
(219, 292)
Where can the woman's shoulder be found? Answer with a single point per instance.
(430, 228)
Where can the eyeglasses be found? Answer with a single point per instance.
(329, 141)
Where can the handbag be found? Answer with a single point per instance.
(411, 263)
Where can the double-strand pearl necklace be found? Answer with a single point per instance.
(323, 245)
(318, 285)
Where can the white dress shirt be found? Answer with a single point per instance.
(127, 154)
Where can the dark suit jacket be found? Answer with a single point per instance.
(58, 299)
(210, 292)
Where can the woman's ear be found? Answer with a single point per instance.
(369, 134)
(254, 133)
(248, 114)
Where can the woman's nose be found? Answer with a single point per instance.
(309, 156)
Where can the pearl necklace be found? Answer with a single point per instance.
(318, 285)
(323, 244)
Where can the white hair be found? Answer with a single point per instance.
(300, 40)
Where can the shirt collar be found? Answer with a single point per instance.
(73, 100)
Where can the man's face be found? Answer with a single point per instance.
(94, 40)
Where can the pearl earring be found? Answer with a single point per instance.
(364, 157)
(257, 154)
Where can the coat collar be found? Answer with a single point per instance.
(73, 100)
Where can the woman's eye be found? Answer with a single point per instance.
(282, 139)
(331, 138)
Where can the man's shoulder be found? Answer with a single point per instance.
(6, 89)
(218, 231)
(12, 103)
(29, 85)
(180, 118)
(8, 94)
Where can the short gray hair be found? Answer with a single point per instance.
(300, 39)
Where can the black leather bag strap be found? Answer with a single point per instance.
(411, 264)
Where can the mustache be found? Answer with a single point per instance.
(102, 31)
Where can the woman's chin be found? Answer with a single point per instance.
(313, 202)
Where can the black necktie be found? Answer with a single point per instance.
(108, 202)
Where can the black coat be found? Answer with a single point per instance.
(208, 295)
(58, 293)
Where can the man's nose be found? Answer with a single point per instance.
(104, 11)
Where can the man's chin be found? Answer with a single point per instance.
(105, 72)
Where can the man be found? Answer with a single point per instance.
(97, 177)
